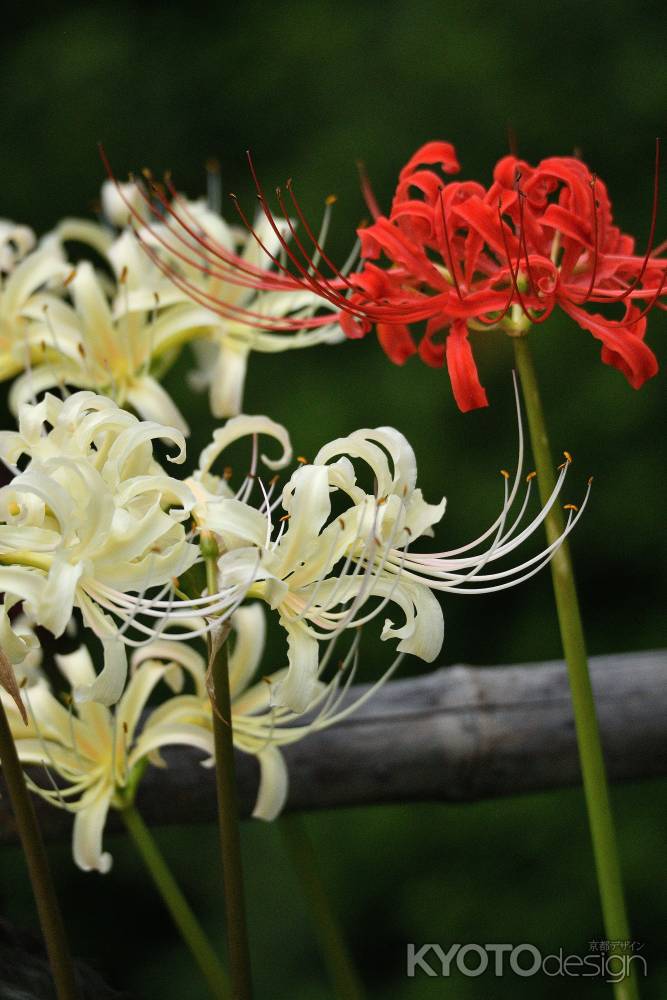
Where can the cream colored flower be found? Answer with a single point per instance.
(93, 757)
(91, 520)
(317, 566)
(109, 349)
(339, 550)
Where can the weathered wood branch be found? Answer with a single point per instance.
(457, 734)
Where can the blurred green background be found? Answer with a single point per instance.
(311, 87)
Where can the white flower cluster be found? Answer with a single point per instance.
(116, 323)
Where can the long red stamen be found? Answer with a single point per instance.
(306, 276)
(230, 311)
(367, 190)
(258, 278)
(297, 241)
(304, 221)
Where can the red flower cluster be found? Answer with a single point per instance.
(464, 257)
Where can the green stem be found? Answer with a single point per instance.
(228, 813)
(50, 918)
(176, 903)
(346, 982)
(594, 776)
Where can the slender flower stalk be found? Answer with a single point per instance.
(342, 972)
(593, 771)
(228, 814)
(50, 917)
(176, 903)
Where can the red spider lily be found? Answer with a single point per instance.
(464, 257)
(451, 257)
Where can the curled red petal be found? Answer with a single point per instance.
(396, 341)
(623, 345)
(442, 153)
(468, 391)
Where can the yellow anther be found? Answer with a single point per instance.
(568, 456)
(70, 277)
(531, 475)
(285, 517)
(123, 276)
(212, 165)
(227, 472)
(342, 523)
(14, 508)
(331, 199)
(570, 506)
(125, 728)
(382, 501)
(590, 480)
(81, 349)
(301, 460)
(504, 473)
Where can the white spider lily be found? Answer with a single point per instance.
(25, 274)
(305, 567)
(92, 519)
(339, 554)
(88, 752)
(112, 352)
(93, 757)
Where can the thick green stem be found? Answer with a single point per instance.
(594, 776)
(43, 889)
(343, 974)
(228, 814)
(176, 903)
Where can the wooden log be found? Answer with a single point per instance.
(457, 734)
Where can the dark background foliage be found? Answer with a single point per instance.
(311, 87)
